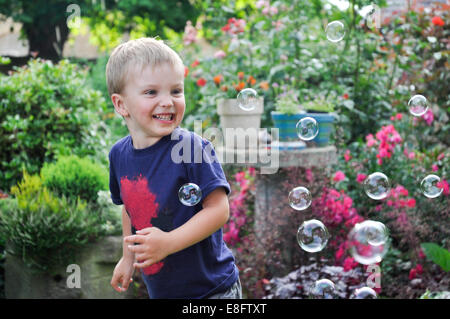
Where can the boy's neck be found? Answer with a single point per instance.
(141, 142)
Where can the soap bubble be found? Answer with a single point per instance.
(335, 31)
(429, 188)
(368, 242)
(418, 105)
(300, 198)
(377, 186)
(189, 194)
(323, 289)
(312, 236)
(247, 99)
(307, 128)
(364, 293)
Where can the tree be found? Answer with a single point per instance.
(45, 23)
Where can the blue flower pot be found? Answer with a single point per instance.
(287, 126)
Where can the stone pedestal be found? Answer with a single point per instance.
(96, 265)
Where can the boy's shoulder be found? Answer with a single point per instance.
(119, 145)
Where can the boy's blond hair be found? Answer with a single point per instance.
(135, 55)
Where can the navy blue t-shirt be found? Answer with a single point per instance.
(147, 182)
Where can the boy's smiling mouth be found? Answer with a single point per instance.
(164, 117)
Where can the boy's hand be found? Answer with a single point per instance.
(153, 246)
(122, 275)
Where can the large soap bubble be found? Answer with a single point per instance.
(300, 198)
(335, 31)
(368, 242)
(247, 99)
(312, 236)
(377, 186)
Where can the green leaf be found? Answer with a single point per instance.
(437, 254)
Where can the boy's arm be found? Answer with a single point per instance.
(155, 245)
(126, 231)
(213, 216)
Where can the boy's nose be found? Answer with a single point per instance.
(166, 101)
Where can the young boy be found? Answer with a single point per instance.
(179, 249)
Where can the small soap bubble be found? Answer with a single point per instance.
(307, 128)
(247, 99)
(377, 186)
(364, 293)
(189, 194)
(323, 289)
(368, 242)
(312, 236)
(429, 188)
(418, 105)
(335, 31)
(300, 198)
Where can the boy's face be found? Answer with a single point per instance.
(153, 102)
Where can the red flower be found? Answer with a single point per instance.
(411, 203)
(186, 71)
(345, 96)
(201, 82)
(438, 21)
(412, 274)
(195, 63)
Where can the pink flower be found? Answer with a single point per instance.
(428, 117)
(421, 254)
(347, 155)
(361, 177)
(339, 176)
(399, 116)
(444, 185)
(190, 33)
(440, 156)
(219, 54)
(434, 168)
(349, 263)
(370, 140)
(340, 252)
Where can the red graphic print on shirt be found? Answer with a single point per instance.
(141, 206)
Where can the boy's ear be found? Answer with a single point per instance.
(119, 104)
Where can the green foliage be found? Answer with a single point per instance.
(288, 104)
(46, 110)
(319, 104)
(436, 254)
(42, 229)
(73, 177)
(111, 214)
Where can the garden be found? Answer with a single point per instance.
(381, 75)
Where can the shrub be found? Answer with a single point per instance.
(72, 177)
(42, 229)
(46, 110)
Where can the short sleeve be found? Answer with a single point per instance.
(204, 168)
(113, 182)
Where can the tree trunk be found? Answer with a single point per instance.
(47, 40)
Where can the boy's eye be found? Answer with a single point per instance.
(150, 92)
(177, 91)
